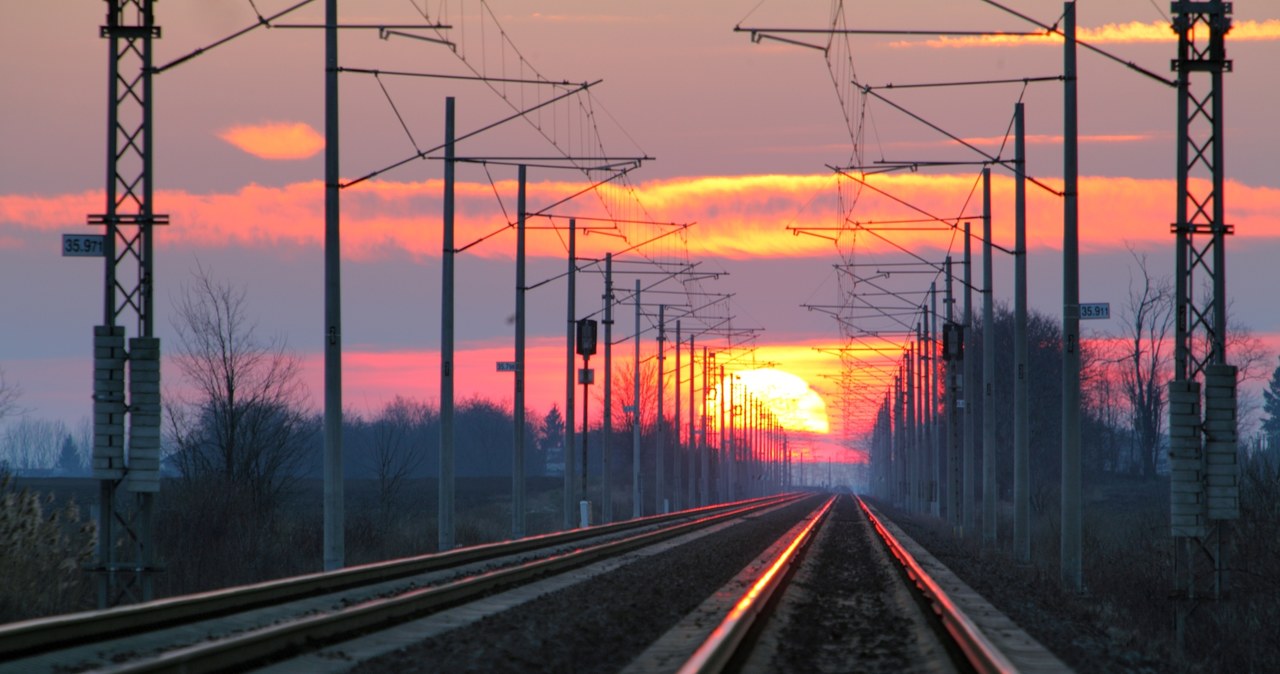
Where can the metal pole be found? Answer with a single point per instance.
(585, 518)
(732, 448)
(911, 456)
(677, 453)
(1072, 576)
(660, 449)
(1021, 384)
(569, 498)
(953, 423)
(968, 395)
(704, 448)
(693, 445)
(445, 506)
(935, 489)
(606, 448)
(722, 462)
(334, 542)
(517, 406)
(989, 474)
(636, 505)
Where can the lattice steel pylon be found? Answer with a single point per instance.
(127, 463)
(1204, 481)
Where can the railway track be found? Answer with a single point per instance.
(774, 584)
(238, 627)
(862, 625)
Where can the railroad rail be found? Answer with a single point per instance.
(975, 634)
(38, 644)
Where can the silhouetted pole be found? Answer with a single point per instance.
(606, 449)
(1072, 577)
(693, 446)
(722, 458)
(954, 491)
(445, 505)
(732, 450)
(968, 395)
(660, 449)
(636, 508)
(571, 324)
(988, 374)
(517, 411)
(911, 455)
(334, 516)
(935, 487)
(677, 454)
(1021, 384)
(704, 449)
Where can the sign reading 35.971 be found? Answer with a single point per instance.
(83, 245)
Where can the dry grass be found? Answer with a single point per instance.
(43, 549)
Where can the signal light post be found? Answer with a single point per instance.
(586, 348)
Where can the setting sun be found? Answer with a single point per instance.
(798, 407)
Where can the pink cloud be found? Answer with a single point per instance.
(275, 140)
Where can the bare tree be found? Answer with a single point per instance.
(1148, 319)
(398, 447)
(624, 391)
(33, 444)
(9, 394)
(245, 425)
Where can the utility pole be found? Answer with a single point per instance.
(1203, 448)
(935, 488)
(677, 455)
(334, 501)
(1072, 577)
(130, 30)
(636, 505)
(953, 350)
(732, 449)
(445, 504)
(693, 446)
(988, 374)
(912, 456)
(968, 395)
(1021, 382)
(660, 450)
(517, 411)
(571, 323)
(606, 449)
(704, 448)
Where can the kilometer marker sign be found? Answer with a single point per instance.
(84, 245)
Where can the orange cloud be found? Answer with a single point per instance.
(736, 216)
(1032, 139)
(275, 140)
(1133, 32)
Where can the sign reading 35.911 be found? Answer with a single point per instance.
(83, 245)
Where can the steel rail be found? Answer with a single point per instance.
(242, 650)
(724, 642)
(978, 650)
(39, 635)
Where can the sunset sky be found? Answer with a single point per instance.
(741, 133)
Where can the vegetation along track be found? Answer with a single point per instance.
(235, 627)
